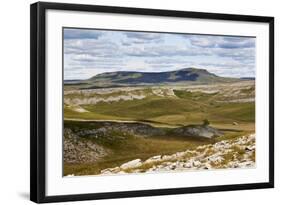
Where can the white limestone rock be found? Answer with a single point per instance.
(131, 164)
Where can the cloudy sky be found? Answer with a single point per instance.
(90, 52)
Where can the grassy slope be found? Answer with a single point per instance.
(187, 109)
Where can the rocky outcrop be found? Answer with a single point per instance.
(101, 129)
(80, 151)
(198, 131)
(96, 100)
(234, 153)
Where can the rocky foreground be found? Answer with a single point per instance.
(234, 153)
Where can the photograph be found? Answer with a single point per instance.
(139, 102)
(134, 102)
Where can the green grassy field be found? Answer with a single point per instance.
(186, 109)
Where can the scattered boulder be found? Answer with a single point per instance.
(131, 164)
(106, 171)
(167, 157)
(196, 163)
(153, 159)
(173, 166)
(188, 165)
(250, 148)
(215, 158)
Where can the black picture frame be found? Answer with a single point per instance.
(38, 100)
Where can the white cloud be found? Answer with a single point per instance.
(89, 52)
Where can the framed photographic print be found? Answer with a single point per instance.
(129, 102)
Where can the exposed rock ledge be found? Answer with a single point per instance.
(235, 153)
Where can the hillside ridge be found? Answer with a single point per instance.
(137, 78)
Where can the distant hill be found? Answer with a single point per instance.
(248, 78)
(133, 78)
